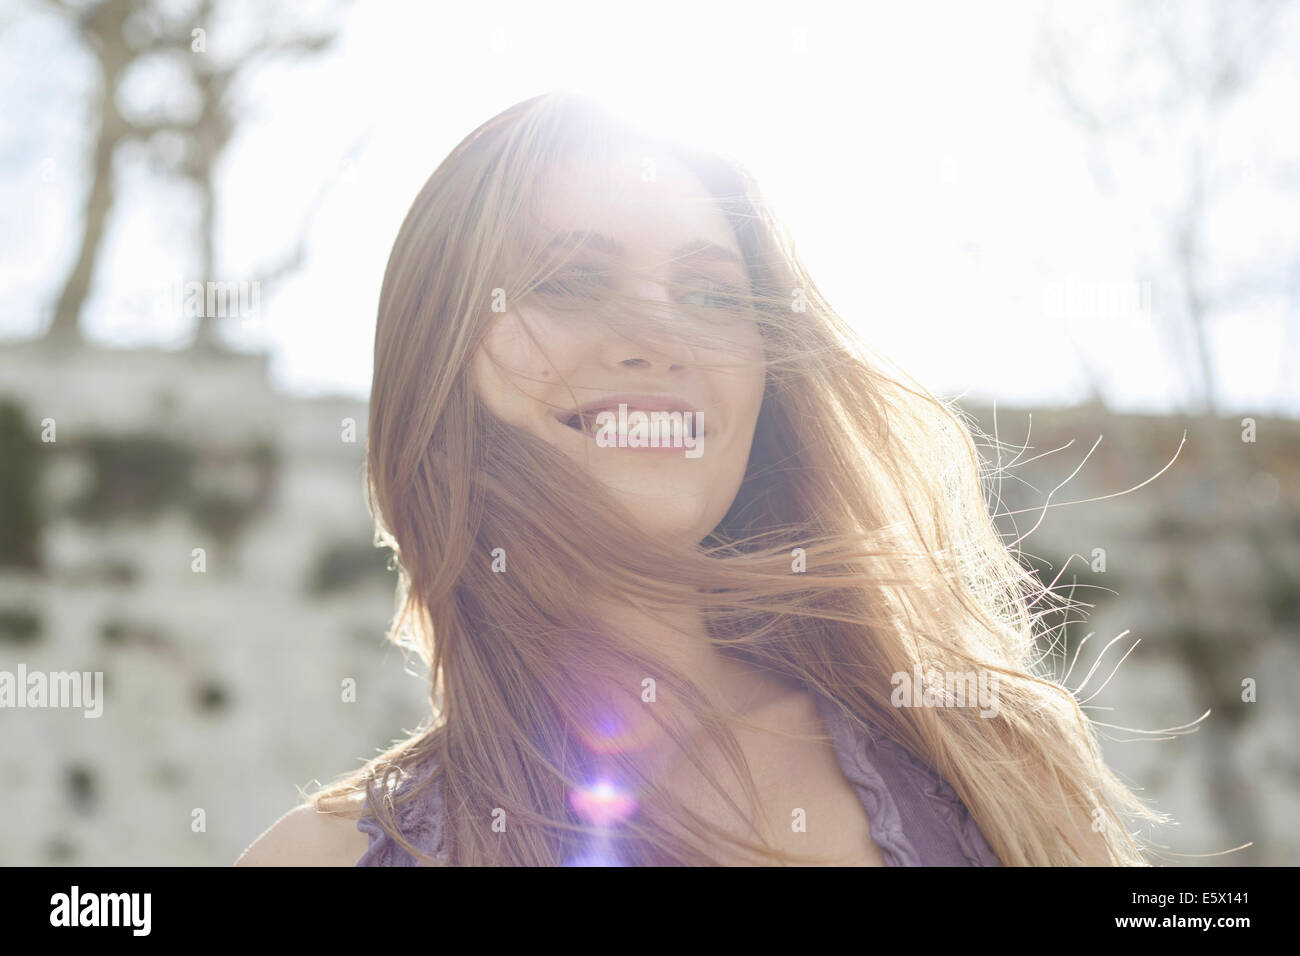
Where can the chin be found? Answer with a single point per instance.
(670, 518)
(686, 532)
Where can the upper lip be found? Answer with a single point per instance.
(659, 402)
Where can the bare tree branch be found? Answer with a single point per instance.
(117, 45)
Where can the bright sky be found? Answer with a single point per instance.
(929, 180)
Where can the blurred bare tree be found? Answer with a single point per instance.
(124, 35)
(1159, 84)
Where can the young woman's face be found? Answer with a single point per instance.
(646, 227)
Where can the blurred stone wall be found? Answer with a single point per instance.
(223, 688)
(1203, 566)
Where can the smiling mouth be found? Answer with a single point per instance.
(575, 421)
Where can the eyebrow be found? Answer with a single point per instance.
(696, 249)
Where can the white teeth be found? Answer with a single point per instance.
(623, 425)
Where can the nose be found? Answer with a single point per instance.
(647, 348)
(653, 355)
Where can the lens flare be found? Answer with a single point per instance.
(595, 858)
(610, 729)
(608, 732)
(602, 804)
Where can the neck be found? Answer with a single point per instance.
(734, 687)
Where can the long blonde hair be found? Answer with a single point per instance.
(880, 484)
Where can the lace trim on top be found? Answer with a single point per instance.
(880, 770)
(420, 821)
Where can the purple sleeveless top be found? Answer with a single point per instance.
(916, 818)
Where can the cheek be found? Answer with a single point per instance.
(508, 344)
(745, 385)
(509, 368)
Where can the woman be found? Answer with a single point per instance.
(695, 654)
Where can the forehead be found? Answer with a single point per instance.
(648, 201)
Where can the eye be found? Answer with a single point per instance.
(714, 295)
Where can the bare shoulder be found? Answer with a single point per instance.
(306, 836)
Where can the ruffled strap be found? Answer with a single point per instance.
(916, 817)
(420, 821)
(854, 750)
(960, 826)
